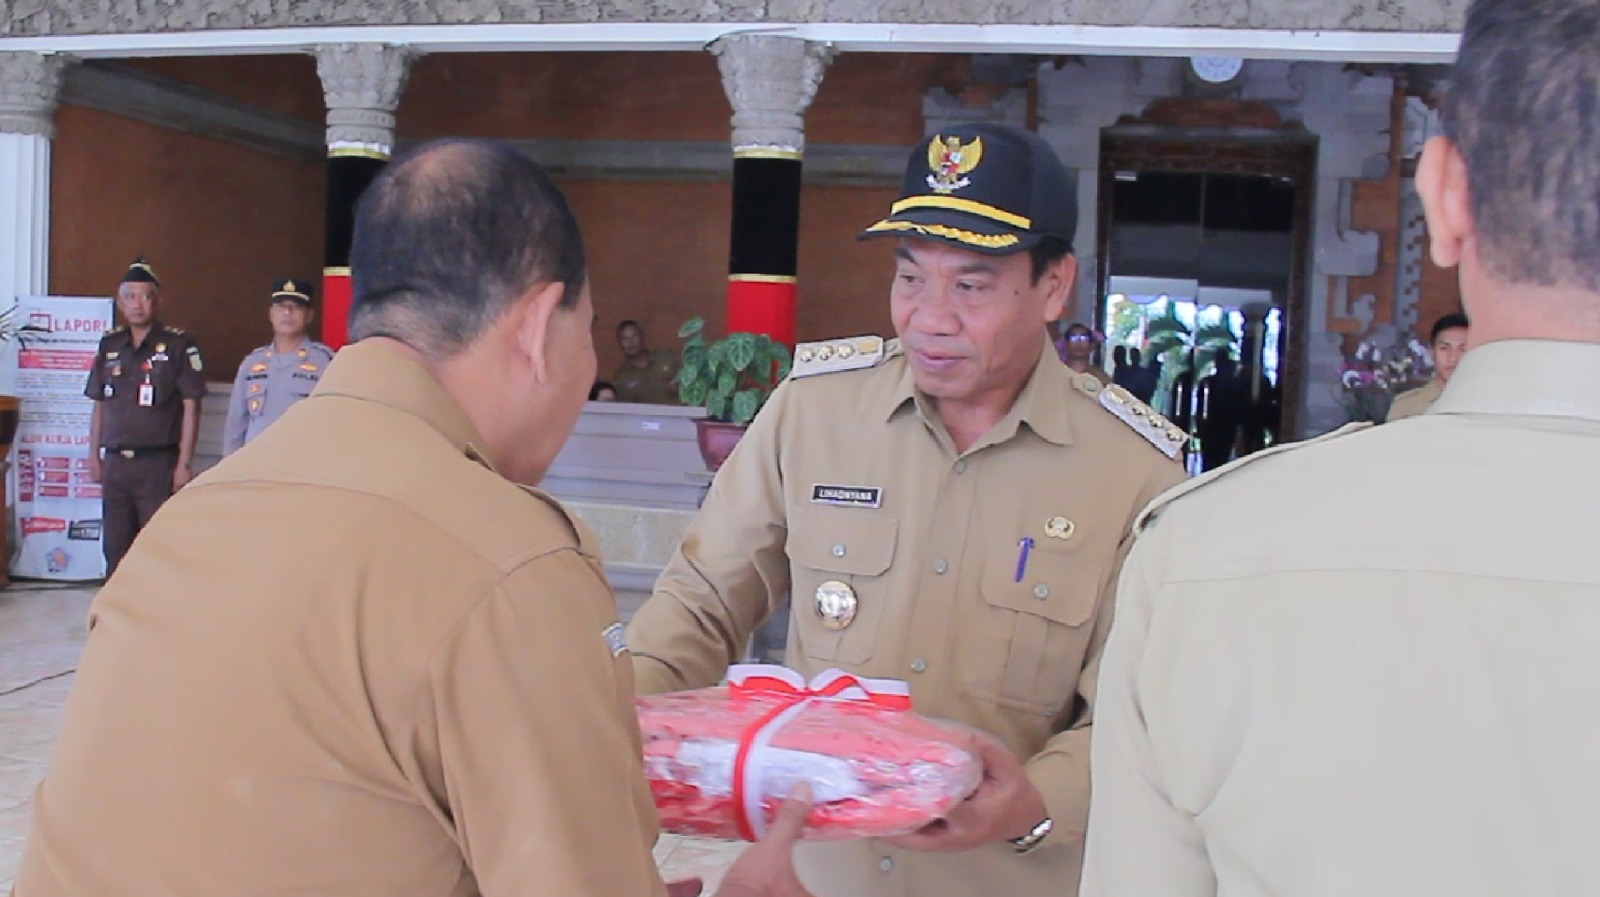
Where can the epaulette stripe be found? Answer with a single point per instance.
(831, 356)
(1166, 436)
(1147, 516)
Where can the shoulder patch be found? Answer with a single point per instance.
(831, 356)
(177, 330)
(320, 347)
(1166, 436)
(1152, 510)
(115, 330)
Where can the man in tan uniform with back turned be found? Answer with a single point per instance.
(948, 509)
(1302, 698)
(355, 659)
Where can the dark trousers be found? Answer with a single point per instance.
(131, 489)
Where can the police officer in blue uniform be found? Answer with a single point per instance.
(277, 375)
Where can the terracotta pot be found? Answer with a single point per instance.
(716, 439)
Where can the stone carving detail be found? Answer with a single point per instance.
(362, 84)
(19, 18)
(1422, 124)
(770, 81)
(1408, 267)
(30, 86)
(941, 109)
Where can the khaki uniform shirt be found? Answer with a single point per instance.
(1367, 666)
(351, 661)
(848, 478)
(650, 385)
(132, 416)
(269, 382)
(1413, 402)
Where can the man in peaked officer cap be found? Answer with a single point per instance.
(948, 508)
(279, 374)
(146, 384)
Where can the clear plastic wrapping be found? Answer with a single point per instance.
(720, 760)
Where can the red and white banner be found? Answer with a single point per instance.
(56, 533)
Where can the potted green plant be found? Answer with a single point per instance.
(731, 378)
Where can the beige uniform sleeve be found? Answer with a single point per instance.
(730, 572)
(1138, 841)
(529, 740)
(1061, 770)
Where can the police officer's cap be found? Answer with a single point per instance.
(140, 272)
(989, 188)
(291, 290)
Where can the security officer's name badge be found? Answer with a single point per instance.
(614, 638)
(849, 496)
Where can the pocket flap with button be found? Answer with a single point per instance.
(843, 541)
(1058, 586)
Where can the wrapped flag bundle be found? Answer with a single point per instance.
(720, 760)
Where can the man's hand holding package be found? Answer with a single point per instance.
(1005, 805)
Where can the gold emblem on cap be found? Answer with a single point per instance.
(836, 604)
(1059, 527)
(950, 161)
(289, 287)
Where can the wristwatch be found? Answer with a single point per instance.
(1034, 837)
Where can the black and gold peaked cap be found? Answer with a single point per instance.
(291, 290)
(989, 188)
(140, 272)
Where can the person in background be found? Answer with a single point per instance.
(1448, 342)
(1077, 348)
(363, 655)
(644, 376)
(1366, 664)
(279, 374)
(146, 382)
(602, 392)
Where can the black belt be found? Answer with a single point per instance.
(142, 451)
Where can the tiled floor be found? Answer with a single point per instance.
(41, 633)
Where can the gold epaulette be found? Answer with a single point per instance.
(1166, 436)
(849, 354)
(1148, 515)
(114, 331)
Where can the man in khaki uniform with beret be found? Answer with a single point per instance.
(1303, 698)
(356, 659)
(948, 508)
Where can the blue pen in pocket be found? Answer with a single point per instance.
(1024, 545)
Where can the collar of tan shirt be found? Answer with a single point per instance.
(1042, 404)
(373, 372)
(1540, 378)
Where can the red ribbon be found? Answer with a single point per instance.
(835, 685)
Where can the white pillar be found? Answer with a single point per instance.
(30, 84)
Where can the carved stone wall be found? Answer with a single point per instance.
(1350, 113)
(60, 17)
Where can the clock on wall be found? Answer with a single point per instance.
(1216, 69)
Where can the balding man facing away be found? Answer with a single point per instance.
(357, 658)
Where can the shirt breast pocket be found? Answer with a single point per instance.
(1026, 647)
(834, 548)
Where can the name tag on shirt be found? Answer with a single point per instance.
(849, 496)
(147, 395)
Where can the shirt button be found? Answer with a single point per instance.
(940, 567)
(961, 467)
(885, 864)
(1041, 591)
(838, 551)
(919, 665)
